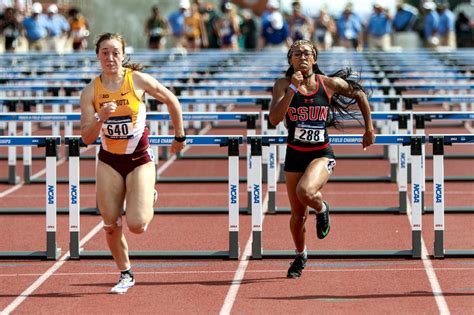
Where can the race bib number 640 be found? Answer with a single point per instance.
(118, 127)
(309, 135)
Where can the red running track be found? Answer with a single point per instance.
(245, 286)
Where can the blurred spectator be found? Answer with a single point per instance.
(248, 30)
(10, 27)
(36, 28)
(324, 30)
(446, 33)
(194, 28)
(211, 19)
(228, 26)
(156, 27)
(379, 28)
(405, 18)
(176, 21)
(300, 26)
(464, 31)
(79, 29)
(274, 33)
(430, 25)
(58, 28)
(349, 29)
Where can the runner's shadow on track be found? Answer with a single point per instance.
(55, 295)
(414, 294)
(204, 283)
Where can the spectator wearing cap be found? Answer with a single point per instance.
(248, 30)
(379, 28)
(36, 28)
(405, 17)
(211, 22)
(229, 27)
(176, 22)
(79, 29)
(430, 25)
(446, 27)
(274, 30)
(195, 29)
(349, 29)
(156, 27)
(58, 27)
(300, 25)
(324, 30)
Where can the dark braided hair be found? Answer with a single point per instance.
(339, 104)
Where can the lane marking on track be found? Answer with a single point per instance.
(256, 271)
(430, 272)
(22, 297)
(34, 176)
(241, 269)
(25, 294)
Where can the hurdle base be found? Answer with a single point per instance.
(365, 179)
(340, 254)
(197, 180)
(43, 211)
(196, 210)
(188, 156)
(23, 255)
(458, 253)
(159, 255)
(62, 181)
(389, 210)
(452, 209)
(438, 248)
(361, 156)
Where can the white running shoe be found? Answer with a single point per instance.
(125, 283)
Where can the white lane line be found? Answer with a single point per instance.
(22, 297)
(277, 271)
(241, 269)
(430, 272)
(34, 176)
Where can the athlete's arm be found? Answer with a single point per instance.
(90, 127)
(341, 87)
(151, 86)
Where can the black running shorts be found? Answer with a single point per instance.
(297, 161)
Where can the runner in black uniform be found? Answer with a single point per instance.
(309, 101)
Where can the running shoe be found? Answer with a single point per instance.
(296, 268)
(322, 222)
(126, 282)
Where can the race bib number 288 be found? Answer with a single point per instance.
(309, 134)
(118, 127)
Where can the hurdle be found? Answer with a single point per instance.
(50, 144)
(247, 117)
(420, 122)
(233, 251)
(439, 141)
(401, 176)
(255, 177)
(29, 117)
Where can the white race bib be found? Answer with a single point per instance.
(118, 127)
(309, 134)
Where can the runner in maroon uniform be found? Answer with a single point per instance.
(310, 101)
